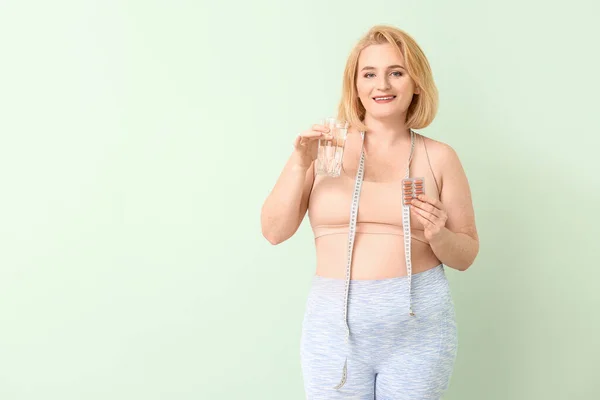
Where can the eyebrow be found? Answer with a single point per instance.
(390, 67)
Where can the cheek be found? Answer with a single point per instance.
(401, 84)
(361, 89)
(407, 85)
(366, 84)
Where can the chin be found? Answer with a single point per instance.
(385, 114)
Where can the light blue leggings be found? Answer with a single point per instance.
(391, 355)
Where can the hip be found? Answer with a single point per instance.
(377, 302)
(377, 318)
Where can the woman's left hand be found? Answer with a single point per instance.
(431, 213)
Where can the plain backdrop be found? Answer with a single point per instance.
(139, 140)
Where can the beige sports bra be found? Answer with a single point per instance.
(380, 210)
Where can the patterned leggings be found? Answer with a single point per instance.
(390, 354)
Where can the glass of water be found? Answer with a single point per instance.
(331, 151)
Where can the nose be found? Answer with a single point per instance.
(383, 83)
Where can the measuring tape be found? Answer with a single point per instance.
(352, 232)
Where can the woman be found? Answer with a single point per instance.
(379, 321)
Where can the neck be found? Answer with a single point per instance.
(387, 132)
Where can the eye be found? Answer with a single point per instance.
(368, 75)
(397, 73)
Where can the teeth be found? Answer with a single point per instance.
(384, 98)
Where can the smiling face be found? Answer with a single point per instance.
(384, 87)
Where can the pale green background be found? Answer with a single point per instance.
(140, 138)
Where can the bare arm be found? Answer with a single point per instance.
(285, 207)
(457, 245)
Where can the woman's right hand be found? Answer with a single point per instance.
(306, 144)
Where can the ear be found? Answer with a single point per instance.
(417, 90)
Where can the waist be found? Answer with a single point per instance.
(373, 257)
(377, 299)
(420, 280)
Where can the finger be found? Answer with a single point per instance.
(313, 135)
(320, 128)
(424, 198)
(421, 217)
(438, 204)
(432, 218)
(426, 207)
(303, 139)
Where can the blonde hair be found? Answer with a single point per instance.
(422, 109)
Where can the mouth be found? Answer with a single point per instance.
(383, 99)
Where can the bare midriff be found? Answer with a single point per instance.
(375, 256)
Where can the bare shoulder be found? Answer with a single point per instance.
(440, 152)
(442, 156)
